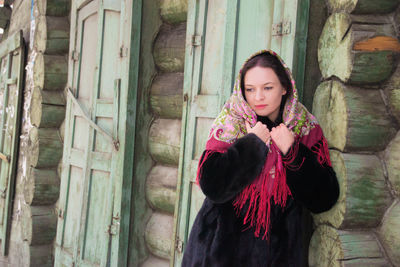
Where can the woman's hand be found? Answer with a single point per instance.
(260, 130)
(283, 137)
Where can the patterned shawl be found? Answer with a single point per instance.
(270, 185)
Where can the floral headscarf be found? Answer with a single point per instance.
(270, 185)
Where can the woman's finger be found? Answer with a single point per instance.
(248, 127)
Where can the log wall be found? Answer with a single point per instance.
(357, 107)
(45, 26)
(164, 134)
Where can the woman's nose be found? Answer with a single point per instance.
(259, 95)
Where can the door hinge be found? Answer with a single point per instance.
(123, 51)
(75, 55)
(61, 214)
(281, 28)
(113, 228)
(179, 245)
(196, 40)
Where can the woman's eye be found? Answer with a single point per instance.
(249, 89)
(268, 87)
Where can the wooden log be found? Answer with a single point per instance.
(362, 6)
(61, 131)
(392, 92)
(52, 35)
(337, 56)
(50, 71)
(169, 48)
(45, 147)
(41, 256)
(173, 11)
(353, 119)
(161, 188)
(389, 234)
(47, 108)
(158, 235)
(58, 8)
(392, 160)
(38, 224)
(164, 141)
(166, 95)
(155, 262)
(42, 187)
(5, 15)
(336, 248)
(364, 196)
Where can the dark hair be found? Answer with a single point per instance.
(267, 60)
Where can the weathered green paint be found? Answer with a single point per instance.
(143, 163)
(58, 8)
(365, 70)
(93, 226)
(11, 80)
(353, 119)
(210, 69)
(331, 247)
(336, 56)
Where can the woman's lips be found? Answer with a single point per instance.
(260, 106)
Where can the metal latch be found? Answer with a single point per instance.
(196, 40)
(281, 28)
(75, 55)
(179, 245)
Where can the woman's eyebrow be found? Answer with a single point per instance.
(253, 85)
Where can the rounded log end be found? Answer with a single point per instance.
(169, 48)
(173, 11)
(392, 159)
(353, 119)
(392, 90)
(334, 47)
(331, 247)
(38, 224)
(329, 107)
(158, 235)
(389, 234)
(356, 52)
(164, 141)
(161, 188)
(324, 249)
(42, 187)
(166, 95)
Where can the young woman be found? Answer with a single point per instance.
(265, 160)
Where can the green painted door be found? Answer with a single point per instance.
(220, 36)
(94, 205)
(11, 80)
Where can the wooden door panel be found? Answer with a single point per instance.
(72, 220)
(11, 75)
(254, 28)
(94, 115)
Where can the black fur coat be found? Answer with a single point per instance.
(218, 236)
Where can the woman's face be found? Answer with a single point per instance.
(263, 91)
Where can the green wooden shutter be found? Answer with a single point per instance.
(220, 36)
(11, 75)
(93, 225)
